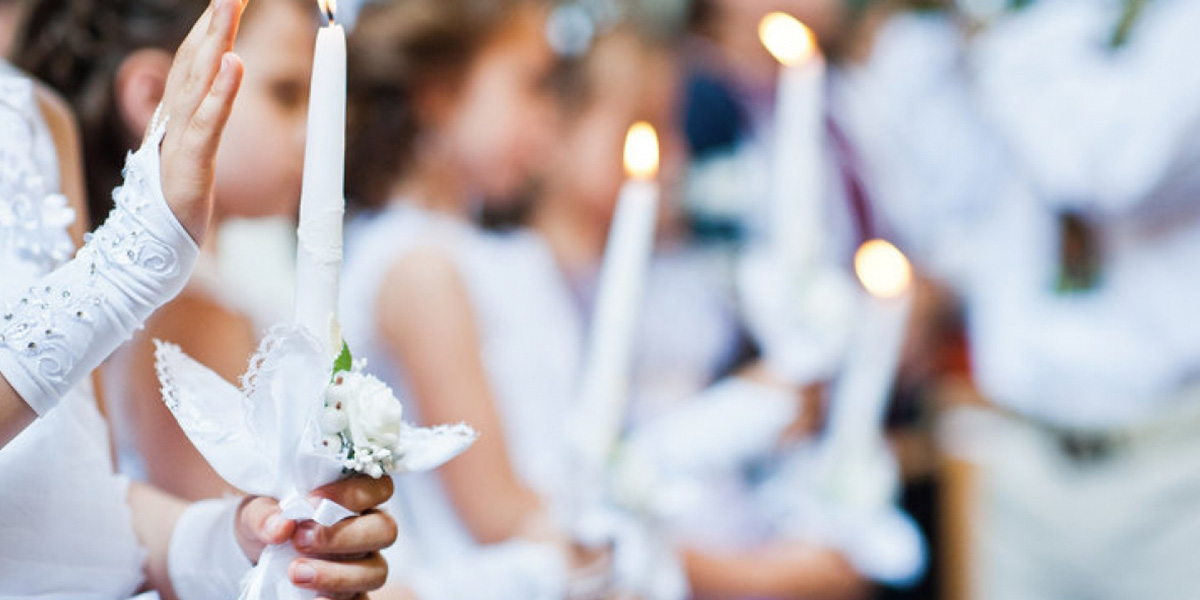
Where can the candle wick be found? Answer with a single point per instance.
(329, 15)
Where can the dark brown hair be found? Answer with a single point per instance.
(397, 51)
(76, 47)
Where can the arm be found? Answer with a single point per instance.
(213, 336)
(779, 571)
(16, 415)
(427, 321)
(199, 95)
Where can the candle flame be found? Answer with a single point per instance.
(883, 269)
(786, 38)
(328, 8)
(641, 151)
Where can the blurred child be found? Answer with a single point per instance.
(448, 109)
(687, 330)
(258, 174)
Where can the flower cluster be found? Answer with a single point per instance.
(362, 420)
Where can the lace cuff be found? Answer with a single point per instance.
(54, 333)
(204, 559)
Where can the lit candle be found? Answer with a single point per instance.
(860, 396)
(322, 200)
(604, 383)
(794, 210)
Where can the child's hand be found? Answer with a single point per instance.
(339, 561)
(198, 97)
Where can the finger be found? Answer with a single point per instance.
(369, 533)
(207, 62)
(208, 122)
(261, 523)
(182, 64)
(359, 493)
(339, 578)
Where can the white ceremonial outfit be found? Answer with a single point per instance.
(1113, 134)
(529, 351)
(64, 517)
(64, 521)
(1088, 471)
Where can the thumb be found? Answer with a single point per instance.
(260, 523)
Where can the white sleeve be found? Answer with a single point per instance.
(204, 559)
(1098, 128)
(55, 332)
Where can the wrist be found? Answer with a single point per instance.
(205, 559)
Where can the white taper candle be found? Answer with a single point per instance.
(604, 384)
(322, 201)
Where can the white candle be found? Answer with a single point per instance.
(860, 397)
(322, 201)
(794, 210)
(604, 383)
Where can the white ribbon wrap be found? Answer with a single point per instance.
(849, 503)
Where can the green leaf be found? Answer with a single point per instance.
(344, 362)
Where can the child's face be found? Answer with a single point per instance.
(499, 126)
(628, 84)
(261, 159)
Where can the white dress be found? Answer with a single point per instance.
(530, 349)
(65, 526)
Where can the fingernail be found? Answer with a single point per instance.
(303, 572)
(275, 525)
(307, 536)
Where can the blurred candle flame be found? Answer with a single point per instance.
(328, 8)
(641, 151)
(786, 38)
(883, 270)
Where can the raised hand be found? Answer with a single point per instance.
(198, 98)
(341, 561)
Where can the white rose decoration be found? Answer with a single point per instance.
(375, 415)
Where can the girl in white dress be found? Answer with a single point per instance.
(448, 103)
(72, 528)
(258, 174)
(687, 329)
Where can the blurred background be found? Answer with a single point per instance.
(918, 322)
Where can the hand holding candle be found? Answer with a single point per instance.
(604, 387)
(322, 200)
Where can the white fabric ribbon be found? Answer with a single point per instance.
(801, 318)
(848, 503)
(265, 439)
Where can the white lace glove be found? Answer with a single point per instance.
(53, 334)
(204, 559)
